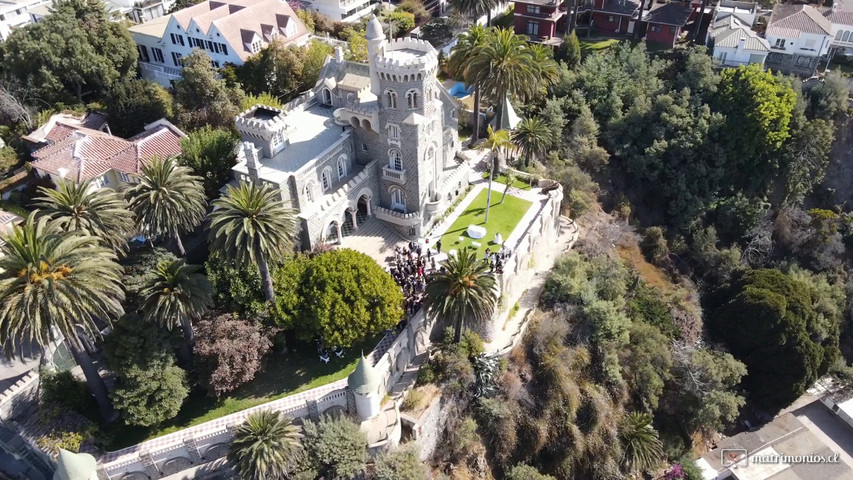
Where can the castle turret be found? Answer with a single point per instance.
(375, 47)
(364, 382)
(253, 162)
(75, 466)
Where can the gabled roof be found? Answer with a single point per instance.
(82, 153)
(619, 7)
(792, 20)
(729, 35)
(837, 16)
(673, 13)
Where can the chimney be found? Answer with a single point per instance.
(339, 54)
(253, 163)
(741, 44)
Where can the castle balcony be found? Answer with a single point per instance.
(433, 207)
(397, 218)
(394, 175)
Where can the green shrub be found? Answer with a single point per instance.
(413, 400)
(426, 374)
(63, 389)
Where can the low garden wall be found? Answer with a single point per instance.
(20, 398)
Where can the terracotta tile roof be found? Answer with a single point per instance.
(86, 154)
(789, 19)
(239, 20)
(837, 16)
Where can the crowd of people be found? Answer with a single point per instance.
(412, 263)
(497, 259)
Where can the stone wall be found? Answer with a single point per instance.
(21, 398)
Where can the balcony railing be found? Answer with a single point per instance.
(162, 69)
(394, 175)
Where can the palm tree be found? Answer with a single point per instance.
(498, 142)
(52, 281)
(265, 446)
(476, 8)
(641, 446)
(509, 178)
(98, 212)
(532, 137)
(174, 295)
(465, 293)
(466, 49)
(547, 69)
(168, 200)
(251, 225)
(504, 66)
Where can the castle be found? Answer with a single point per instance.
(377, 140)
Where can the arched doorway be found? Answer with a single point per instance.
(347, 226)
(362, 209)
(331, 233)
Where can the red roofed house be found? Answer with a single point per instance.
(665, 24)
(230, 31)
(67, 149)
(615, 16)
(541, 20)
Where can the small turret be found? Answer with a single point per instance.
(375, 48)
(75, 466)
(364, 382)
(253, 162)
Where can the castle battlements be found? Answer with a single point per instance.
(261, 122)
(406, 56)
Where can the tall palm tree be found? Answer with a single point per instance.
(466, 49)
(464, 294)
(251, 225)
(509, 179)
(505, 66)
(476, 8)
(498, 142)
(532, 137)
(168, 200)
(173, 296)
(52, 281)
(100, 212)
(641, 446)
(265, 446)
(547, 69)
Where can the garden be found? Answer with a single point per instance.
(504, 216)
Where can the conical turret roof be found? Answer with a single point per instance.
(74, 466)
(365, 379)
(374, 29)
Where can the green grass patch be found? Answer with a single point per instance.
(503, 218)
(516, 182)
(595, 44)
(284, 374)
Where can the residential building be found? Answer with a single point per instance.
(798, 35)
(15, 13)
(139, 12)
(347, 10)
(733, 43)
(230, 31)
(745, 12)
(541, 20)
(615, 16)
(665, 23)
(376, 140)
(68, 149)
(842, 27)
(7, 221)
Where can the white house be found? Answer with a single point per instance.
(842, 27)
(343, 10)
(745, 12)
(798, 35)
(734, 43)
(15, 13)
(228, 30)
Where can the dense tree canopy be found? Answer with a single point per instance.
(77, 49)
(211, 153)
(133, 103)
(228, 352)
(202, 98)
(342, 295)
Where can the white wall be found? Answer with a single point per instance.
(807, 44)
(337, 9)
(13, 15)
(733, 57)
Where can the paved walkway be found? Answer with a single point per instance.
(375, 239)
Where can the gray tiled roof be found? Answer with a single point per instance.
(798, 18)
(729, 36)
(673, 13)
(840, 17)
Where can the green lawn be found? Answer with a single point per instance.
(516, 183)
(593, 44)
(503, 219)
(284, 374)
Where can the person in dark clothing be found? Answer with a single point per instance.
(438, 246)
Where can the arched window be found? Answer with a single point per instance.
(398, 199)
(838, 35)
(342, 167)
(309, 192)
(326, 178)
(391, 97)
(412, 98)
(327, 96)
(846, 37)
(395, 160)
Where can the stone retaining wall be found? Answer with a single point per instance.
(20, 398)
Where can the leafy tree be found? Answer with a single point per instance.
(76, 49)
(150, 388)
(498, 143)
(643, 448)
(210, 153)
(464, 295)
(402, 464)
(228, 352)
(437, 31)
(475, 9)
(357, 43)
(532, 136)
(758, 108)
(264, 98)
(236, 288)
(173, 295)
(654, 246)
(806, 156)
(416, 8)
(265, 446)
(526, 472)
(133, 103)
(767, 319)
(202, 98)
(459, 66)
(167, 200)
(335, 446)
(695, 69)
(54, 281)
(646, 366)
(251, 225)
(277, 69)
(101, 213)
(342, 295)
(312, 63)
(828, 99)
(139, 266)
(402, 22)
(570, 50)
